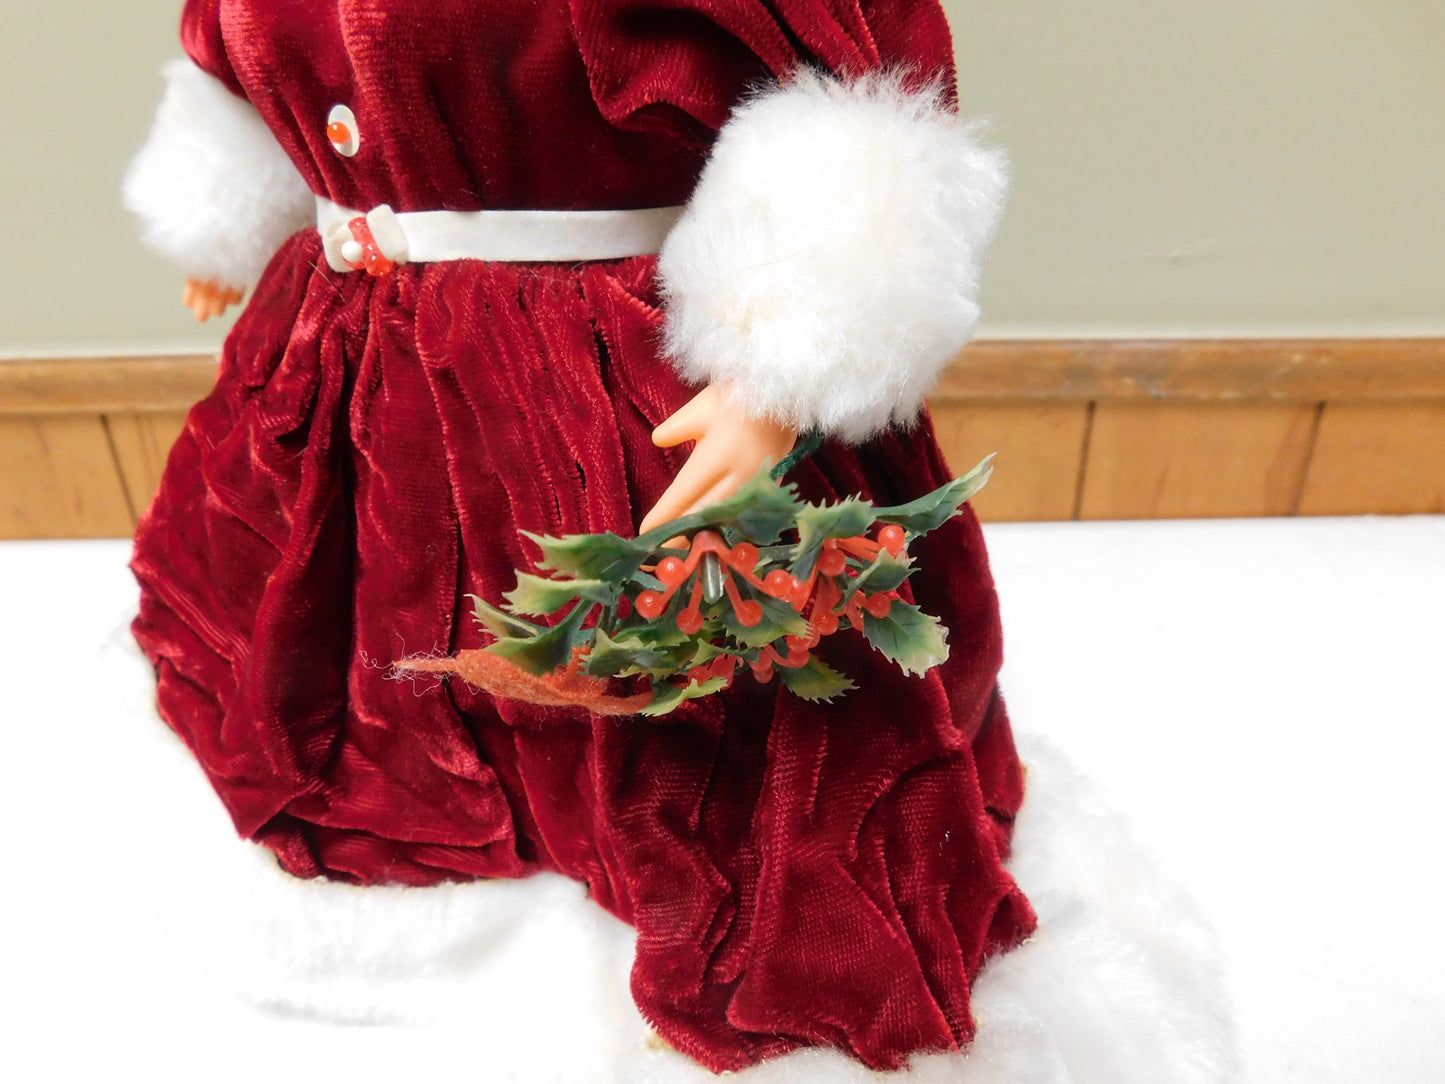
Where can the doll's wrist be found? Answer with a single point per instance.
(827, 263)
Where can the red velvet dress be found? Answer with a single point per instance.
(797, 873)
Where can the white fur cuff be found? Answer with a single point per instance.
(213, 189)
(827, 265)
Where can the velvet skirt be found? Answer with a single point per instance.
(797, 873)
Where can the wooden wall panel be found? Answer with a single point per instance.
(1173, 460)
(142, 442)
(1377, 457)
(1040, 448)
(1201, 370)
(59, 479)
(1091, 428)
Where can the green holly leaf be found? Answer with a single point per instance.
(500, 623)
(628, 653)
(933, 509)
(607, 557)
(817, 681)
(760, 511)
(609, 656)
(647, 581)
(667, 697)
(658, 634)
(886, 573)
(819, 522)
(535, 595)
(706, 651)
(779, 620)
(548, 650)
(916, 641)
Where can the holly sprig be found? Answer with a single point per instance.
(753, 582)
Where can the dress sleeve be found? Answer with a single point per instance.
(213, 189)
(204, 43)
(826, 267)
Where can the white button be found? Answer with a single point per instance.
(341, 129)
(351, 251)
(386, 231)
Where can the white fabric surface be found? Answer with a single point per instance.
(522, 236)
(1261, 699)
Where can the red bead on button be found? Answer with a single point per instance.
(341, 129)
(370, 257)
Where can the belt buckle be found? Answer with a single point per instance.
(373, 242)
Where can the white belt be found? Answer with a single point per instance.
(510, 236)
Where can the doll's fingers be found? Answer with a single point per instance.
(698, 475)
(194, 298)
(673, 503)
(197, 297)
(724, 489)
(689, 422)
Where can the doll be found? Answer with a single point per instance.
(451, 215)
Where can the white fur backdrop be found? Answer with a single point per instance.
(827, 263)
(1261, 698)
(213, 190)
(1119, 986)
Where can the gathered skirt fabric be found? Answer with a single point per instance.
(798, 873)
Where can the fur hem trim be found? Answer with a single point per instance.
(827, 264)
(214, 191)
(1121, 984)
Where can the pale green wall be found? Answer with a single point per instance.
(78, 85)
(1236, 167)
(1229, 167)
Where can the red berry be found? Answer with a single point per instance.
(778, 583)
(671, 571)
(826, 624)
(744, 556)
(690, 622)
(650, 604)
(832, 563)
(750, 613)
(893, 538)
(879, 606)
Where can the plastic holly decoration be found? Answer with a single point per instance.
(750, 585)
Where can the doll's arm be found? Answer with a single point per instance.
(826, 268)
(207, 299)
(827, 265)
(213, 189)
(732, 446)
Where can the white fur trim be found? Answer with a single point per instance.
(1120, 985)
(827, 265)
(214, 190)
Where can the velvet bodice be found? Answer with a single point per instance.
(555, 104)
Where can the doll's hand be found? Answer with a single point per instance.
(731, 448)
(207, 299)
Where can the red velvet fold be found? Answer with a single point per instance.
(797, 873)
